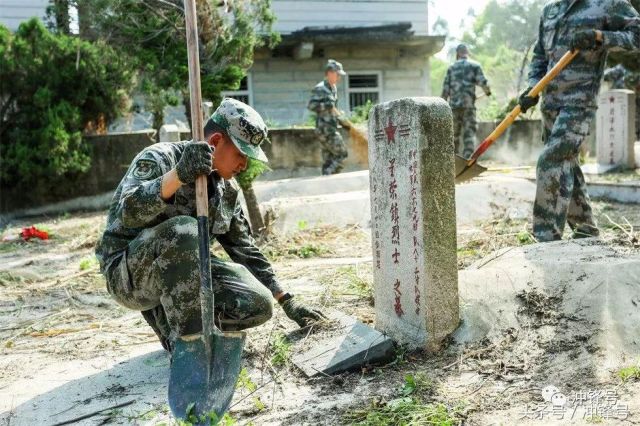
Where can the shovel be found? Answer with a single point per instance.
(467, 169)
(204, 368)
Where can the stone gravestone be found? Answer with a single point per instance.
(615, 134)
(413, 221)
(169, 133)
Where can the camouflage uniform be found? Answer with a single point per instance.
(149, 251)
(324, 101)
(615, 76)
(569, 104)
(459, 89)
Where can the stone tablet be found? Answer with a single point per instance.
(616, 130)
(413, 221)
(346, 345)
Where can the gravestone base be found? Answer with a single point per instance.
(345, 344)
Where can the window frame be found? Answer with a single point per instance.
(248, 92)
(350, 90)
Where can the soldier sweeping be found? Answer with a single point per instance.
(324, 103)
(459, 89)
(149, 250)
(569, 102)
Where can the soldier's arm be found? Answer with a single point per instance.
(446, 86)
(539, 61)
(242, 249)
(622, 29)
(482, 81)
(141, 197)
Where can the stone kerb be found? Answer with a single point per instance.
(413, 221)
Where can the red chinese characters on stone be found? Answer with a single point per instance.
(398, 302)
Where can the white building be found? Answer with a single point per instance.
(14, 12)
(383, 44)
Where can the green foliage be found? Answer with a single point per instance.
(210, 418)
(51, 87)
(630, 373)
(438, 69)
(88, 263)
(405, 411)
(152, 33)
(360, 114)
(254, 169)
(280, 350)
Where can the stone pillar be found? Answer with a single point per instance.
(413, 221)
(616, 130)
(169, 133)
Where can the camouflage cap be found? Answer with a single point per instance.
(333, 65)
(244, 126)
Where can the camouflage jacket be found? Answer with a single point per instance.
(579, 83)
(137, 205)
(459, 86)
(616, 76)
(324, 98)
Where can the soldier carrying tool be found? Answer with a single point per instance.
(591, 28)
(459, 89)
(149, 249)
(324, 103)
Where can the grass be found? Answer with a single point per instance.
(411, 408)
(280, 350)
(88, 263)
(630, 373)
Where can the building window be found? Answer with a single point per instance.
(363, 87)
(244, 92)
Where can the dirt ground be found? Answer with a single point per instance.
(68, 351)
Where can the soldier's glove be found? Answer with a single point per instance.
(195, 161)
(585, 40)
(300, 313)
(526, 102)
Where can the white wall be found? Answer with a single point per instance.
(14, 12)
(296, 14)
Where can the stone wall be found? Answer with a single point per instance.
(293, 152)
(111, 155)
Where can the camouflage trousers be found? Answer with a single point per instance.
(334, 151)
(561, 194)
(159, 275)
(465, 127)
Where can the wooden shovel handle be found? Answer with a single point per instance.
(535, 92)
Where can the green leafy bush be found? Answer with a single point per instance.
(51, 87)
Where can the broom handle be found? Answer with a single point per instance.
(535, 92)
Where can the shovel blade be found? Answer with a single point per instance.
(200, 390)
(464, 172)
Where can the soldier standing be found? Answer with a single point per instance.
(324, 102)
(459, 89)
(149, 250)
(569, 103)
(615, 76)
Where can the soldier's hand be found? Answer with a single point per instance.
(526, 102)
(585, 40)
(195, 161)
(302, 314)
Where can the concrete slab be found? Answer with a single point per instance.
(346, 345)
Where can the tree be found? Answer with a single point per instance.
(245, 179)
(152, 34)
(51, 87)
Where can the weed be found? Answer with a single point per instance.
(406, 411)
(210, 418)
(630, 373)
(245, 382)
(302, 225)
(594, 419)
(306, 251)
(88, 263)
(280, 350)
(418, 384)
(524, 238)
